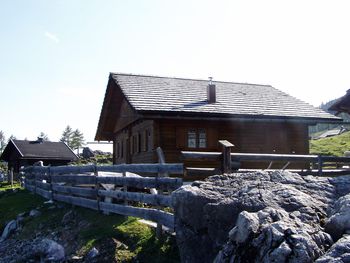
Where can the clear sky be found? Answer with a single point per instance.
(55, 55)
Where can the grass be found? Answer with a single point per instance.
(118, 238)
(335, 145)
(15, 203)
(6, 186)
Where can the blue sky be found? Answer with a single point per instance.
(55, 56)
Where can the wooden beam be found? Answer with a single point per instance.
(176, 168)
(55, 170)
(225, 143)
(79, 201)
(155, 215)
(43, 193)
(200, 156)
(273, 157)
(194, 171)
(226, 156)
(29, 182)
(31, 188)
(161, 200)
(142, 182)
(73, 179)
(42, 185)
(84, 192)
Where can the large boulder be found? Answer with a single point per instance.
(339, 221)
(256, 217)
(36, 250)
(8, 230)
(338, 253)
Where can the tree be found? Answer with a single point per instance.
(77, 140)
(67, 135)
(12, 137)
(43, 136)
(2, 141)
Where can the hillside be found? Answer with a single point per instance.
(335, 145)
(80, 231)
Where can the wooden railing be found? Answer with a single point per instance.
(83, 186)
(232, 161)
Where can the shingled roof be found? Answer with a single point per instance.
(178, 95)
(38, 150)
(342, 104)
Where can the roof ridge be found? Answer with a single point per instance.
(180, 78)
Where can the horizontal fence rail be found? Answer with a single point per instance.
(232, 161)
(109, 188)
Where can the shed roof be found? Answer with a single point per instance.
(178, 95)
(342, 104)
(39, 150)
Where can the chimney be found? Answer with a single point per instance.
(211, 91)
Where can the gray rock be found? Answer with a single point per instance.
(8, 230)
(256, 217)
(68, 217)
(274, 237)
(92, 253)
(31, 250)
(339, 222)
(34, 213)
(338, 253)
(50, 250)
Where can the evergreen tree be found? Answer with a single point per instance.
(12, 137)
(2, 141)
(77, 140)
(67, 136)
(44, 136)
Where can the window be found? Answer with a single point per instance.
(134, 144)
(145, 145)
(145, 141)
(202, 138)
(191, 139)
(139, 142)
(196, 138)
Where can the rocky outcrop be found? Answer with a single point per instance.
(261, 217)
(338, 253)
(36, 250)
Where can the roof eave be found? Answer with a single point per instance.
(238, 117)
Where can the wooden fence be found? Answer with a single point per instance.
(231, 161)
(83, 186)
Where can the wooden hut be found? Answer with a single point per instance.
(22, 153)
(140, 113)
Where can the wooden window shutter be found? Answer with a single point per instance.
(181, 137)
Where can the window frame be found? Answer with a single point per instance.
(196, 136)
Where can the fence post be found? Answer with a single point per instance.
(35, 176)
(11, 177)
(161, 160)
(97, 187)
(125, 189)
(320, 164)
(226, 156)
(50, 181)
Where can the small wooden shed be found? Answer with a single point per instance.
(140, 113)
(22, 153)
